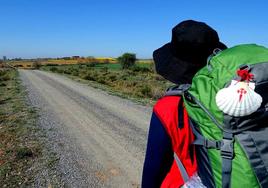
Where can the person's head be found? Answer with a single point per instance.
(191, 44)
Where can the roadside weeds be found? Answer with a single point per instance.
(22, 151)
(140, 83)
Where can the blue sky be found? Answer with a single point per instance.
(55, 28)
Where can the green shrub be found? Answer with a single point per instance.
(104, 69)
(54, 69)
(60, 71)
(89, 76)
(3, 84)
(140, 69)
(75, 73)
(51, 64)
(86, 76)
(36, 65)
(67, 71)
(146, 90)
(93, 64)
(101, 80)
(23, 153)
(127, 60)
(112, 77)
(2, 73)
(4, 76)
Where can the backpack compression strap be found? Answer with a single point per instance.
(226, 144)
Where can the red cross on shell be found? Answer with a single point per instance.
(241, 92)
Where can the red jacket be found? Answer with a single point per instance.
(180, 137)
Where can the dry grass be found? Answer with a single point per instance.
(18, 148)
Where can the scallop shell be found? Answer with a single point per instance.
(239, 99)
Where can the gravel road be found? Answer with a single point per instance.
(100, 139)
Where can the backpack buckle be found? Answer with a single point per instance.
(227, 148)
(212, 144)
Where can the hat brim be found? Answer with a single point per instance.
(173, 68)
(222, 46)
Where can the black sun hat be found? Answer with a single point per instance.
(191, 44)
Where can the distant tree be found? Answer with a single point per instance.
(36, 64)
(127, 60)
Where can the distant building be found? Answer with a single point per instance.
(76, 57)
(4, 58)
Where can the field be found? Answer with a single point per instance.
(139, 82)
(31, 64)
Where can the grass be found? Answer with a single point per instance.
(20, 148)
(17, 149)
(139, 83)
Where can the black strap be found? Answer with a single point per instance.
(179, 91)
(200, 140)
(180, 114)
(203, 162)
(227, 154)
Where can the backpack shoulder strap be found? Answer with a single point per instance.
(177, 90)
(226, 145)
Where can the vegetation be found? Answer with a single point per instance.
(36, 65)
(127, 60)
(20, 147)
(138, 82)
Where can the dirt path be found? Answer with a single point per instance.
(100, 139)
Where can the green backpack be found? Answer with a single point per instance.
(232, 151)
